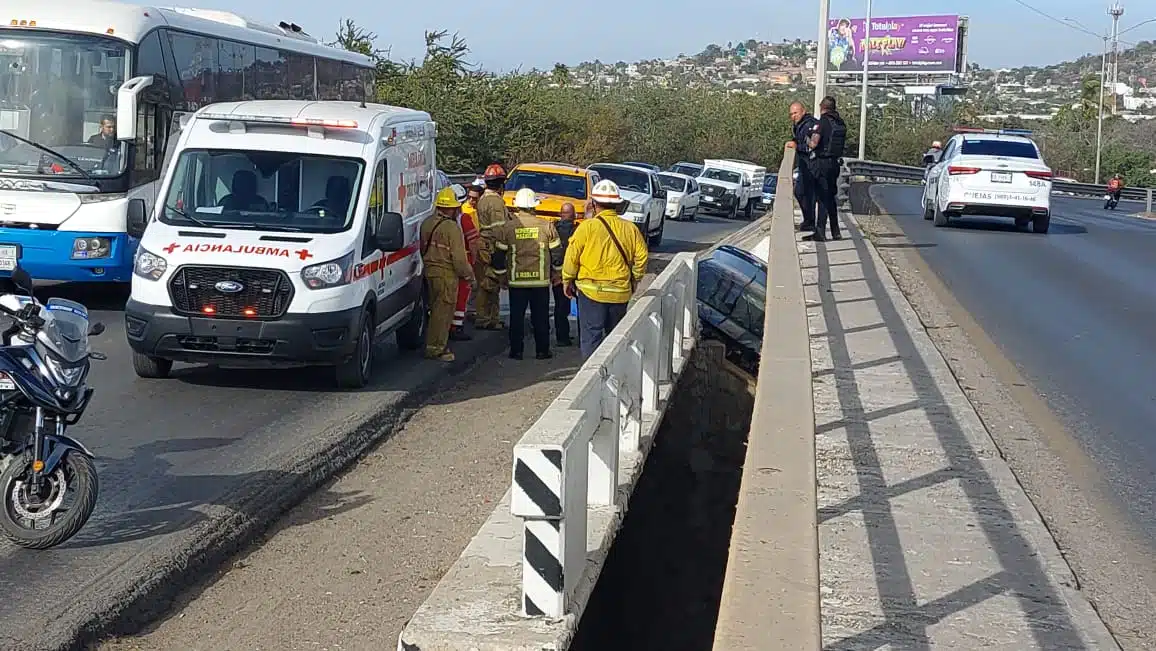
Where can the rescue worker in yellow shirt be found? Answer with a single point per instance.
(526, 251)
(443, 254)
(491, 216)
(605, 259)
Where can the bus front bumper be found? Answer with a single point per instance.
(48, 255)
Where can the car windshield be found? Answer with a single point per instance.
(672, 183)
(625, 178)
(770, 182)
(559, 185)
(58, 91)
(736, 288)
(725, 176)
(991, 147)
(689, 170)
(270, 190)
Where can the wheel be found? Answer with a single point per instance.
(152, 368)
(694, 214)
(939, 216)
(354, 372)
(30, 520)
(411, 336)
(681, 214)
(656, 239)
(734, 211)
(928, 210)
(750, 210)
(1040, 223)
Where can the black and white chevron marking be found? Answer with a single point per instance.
(538, 483)
(543, 587)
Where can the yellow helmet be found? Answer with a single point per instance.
(447, 199)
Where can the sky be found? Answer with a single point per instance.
(540, 33)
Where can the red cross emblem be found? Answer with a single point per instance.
(304, 254)
(170, 248)
(401, 192)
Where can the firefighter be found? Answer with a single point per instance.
(527, 251)
(443, 254)
(492, 216)
(468, 221)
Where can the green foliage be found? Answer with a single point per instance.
(484, 118)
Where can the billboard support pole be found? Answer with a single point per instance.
(822, 53)
(863, 99)
(1100, 101)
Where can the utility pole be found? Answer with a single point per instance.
(1115, 11)
(1100, 120)
(863, 99)
(821, 54)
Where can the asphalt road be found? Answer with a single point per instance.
(182, 462)
(1075, 311)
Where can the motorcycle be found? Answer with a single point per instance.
(1111, 200)
(44, 363)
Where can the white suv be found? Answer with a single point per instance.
(997, 172)
(645, 193)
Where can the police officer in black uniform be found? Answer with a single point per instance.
(804, 185)
(827, 141)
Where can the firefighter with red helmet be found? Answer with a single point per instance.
(492, 216)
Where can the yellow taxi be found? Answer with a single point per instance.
(555, 184)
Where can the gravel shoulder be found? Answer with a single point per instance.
(1115, 567)
(346, 573)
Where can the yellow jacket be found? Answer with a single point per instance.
(594, 263)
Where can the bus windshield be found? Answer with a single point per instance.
(266, 190)
(58, 91)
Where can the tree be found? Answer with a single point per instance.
(561, 74)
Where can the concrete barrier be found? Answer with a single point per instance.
(770, 596)
(525, 578)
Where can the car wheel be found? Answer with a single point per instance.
(734, 214)
(939, 216)
(1040, 223)
(750, 210)
(411, 336)
(354, 373)
(928, 209)
(153, 368)
(656, 239)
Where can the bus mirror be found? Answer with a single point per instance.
(126, 106)
(137, 218)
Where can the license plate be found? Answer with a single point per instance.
(710, 199)
(1001, 177)
(9, 254)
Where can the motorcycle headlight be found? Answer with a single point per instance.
(61, 372)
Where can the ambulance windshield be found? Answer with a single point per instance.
(268, 190)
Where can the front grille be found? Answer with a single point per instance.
(267, 292)
(218, 344)
(713, 190)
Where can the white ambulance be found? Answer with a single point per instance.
(285, 233)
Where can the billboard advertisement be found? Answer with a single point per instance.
(907, 44)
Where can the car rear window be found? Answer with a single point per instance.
(1007, 148)
(672, 183)
(562, 185)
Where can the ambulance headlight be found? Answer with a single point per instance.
(324, 275)
(149, 266)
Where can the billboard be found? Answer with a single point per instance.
(907, 44)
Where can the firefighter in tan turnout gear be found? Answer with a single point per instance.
(527, 251)
(491, 217)
(443, 254)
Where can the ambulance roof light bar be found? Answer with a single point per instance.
(316, 126)
(995, 132)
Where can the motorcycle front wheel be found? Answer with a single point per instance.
(46, 518)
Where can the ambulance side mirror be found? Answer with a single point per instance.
(138, 218)
(391, 232)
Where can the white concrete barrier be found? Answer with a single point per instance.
(525, 578)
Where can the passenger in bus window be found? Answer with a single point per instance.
(106, 137)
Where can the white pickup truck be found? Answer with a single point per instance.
(731, 187)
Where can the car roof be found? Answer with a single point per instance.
(677, 175)
(994, 136)
(363, 114)
(620, 166)
(553, 168)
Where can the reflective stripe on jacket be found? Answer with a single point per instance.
(528, 241)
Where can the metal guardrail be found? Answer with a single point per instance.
(906, 173)
(524, 580)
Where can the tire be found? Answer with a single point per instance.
(77, 470)
(1040, 223)
(656, 239)
(411, 336)
(734, 214)
(928, 211)
(354, 373)
(938, 216)
(151, 368)
(750, 213)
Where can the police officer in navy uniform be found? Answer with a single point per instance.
(827, 141)
(805, 124)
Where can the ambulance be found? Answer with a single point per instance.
(285, 233)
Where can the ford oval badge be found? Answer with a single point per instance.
(229, 286)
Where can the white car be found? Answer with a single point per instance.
(682, 195)
(644, 191)
(996, 172)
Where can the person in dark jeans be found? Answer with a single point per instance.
(565, 226)
(804, 185)
(827, 143)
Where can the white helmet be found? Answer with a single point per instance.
(937, 145)
(459, 192)
(606, 191)
(525, 198)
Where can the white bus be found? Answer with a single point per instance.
(88, 91)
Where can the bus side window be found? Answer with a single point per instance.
(378, 204)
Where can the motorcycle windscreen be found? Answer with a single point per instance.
(67, 331)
